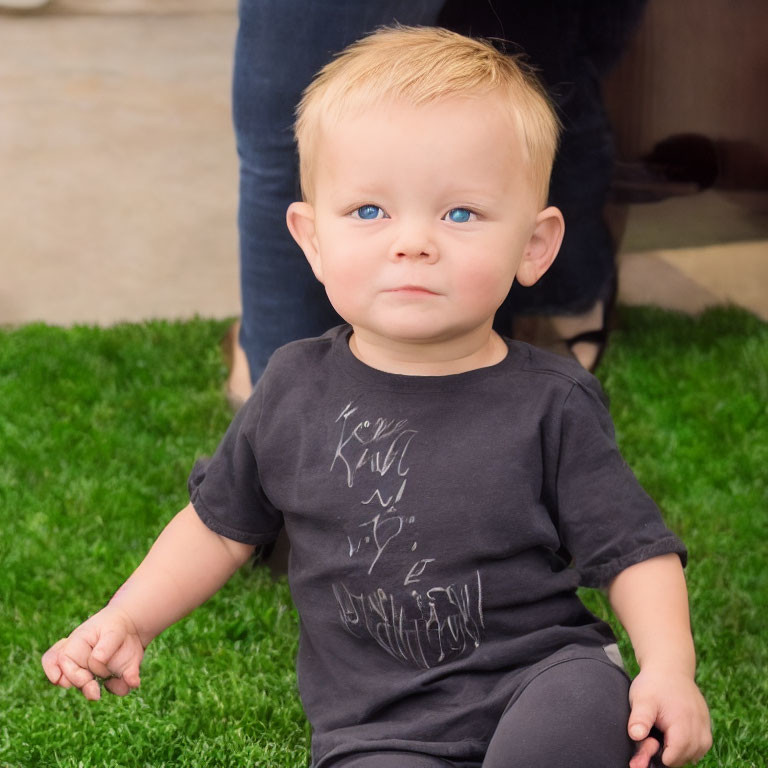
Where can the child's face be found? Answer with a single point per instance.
(422, 218)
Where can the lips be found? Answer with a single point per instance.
(415, 290)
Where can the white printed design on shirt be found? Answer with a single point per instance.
(427, 626)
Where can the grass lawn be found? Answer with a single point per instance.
(98, 431)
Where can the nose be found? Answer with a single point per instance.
(414, 242)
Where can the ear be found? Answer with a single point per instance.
(542, 247)
(301, 224)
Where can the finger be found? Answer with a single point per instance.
(641, 720)
(677, 746)
(91, 690)
(705, 743)
(78, 648)
(50, 662)
(645, 751)
(131, 675)
(75, 663)
(683, 752)
(97, 668)
(125, 662)
(118, 686)
(77, 673)
(109, 643)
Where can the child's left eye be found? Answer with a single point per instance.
(460, 215)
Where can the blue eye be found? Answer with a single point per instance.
(368, 212)
(459, 215)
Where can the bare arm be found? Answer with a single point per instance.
(185, 566)
(650, 599)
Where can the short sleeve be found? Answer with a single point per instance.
(606, 521)
(226, 490)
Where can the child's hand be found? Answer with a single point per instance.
(671, 701)
(107, 645)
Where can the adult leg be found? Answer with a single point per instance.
(280, 46)
(571, 45)
(573, 298)
(572, 304)
(572, 714)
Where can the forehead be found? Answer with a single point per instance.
(477, 136)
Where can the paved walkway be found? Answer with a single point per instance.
(119, 180)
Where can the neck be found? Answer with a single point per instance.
(429, 358)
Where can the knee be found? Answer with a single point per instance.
(573, 716)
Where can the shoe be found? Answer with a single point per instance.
(583, 337)
(589, 346)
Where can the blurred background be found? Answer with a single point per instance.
(118, 173)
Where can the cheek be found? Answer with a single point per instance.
(345, 283)
(486, 268)
(486, 285)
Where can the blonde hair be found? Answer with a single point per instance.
(421, 65)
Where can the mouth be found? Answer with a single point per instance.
(412, 290)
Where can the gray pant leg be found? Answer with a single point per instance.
(392, 760)
(572, 715)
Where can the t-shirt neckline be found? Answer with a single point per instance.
(361, 371)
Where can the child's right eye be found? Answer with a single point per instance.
(368, 212)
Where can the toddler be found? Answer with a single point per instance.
(444, 490)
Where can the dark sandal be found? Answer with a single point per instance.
(539, 331)
(599, 336)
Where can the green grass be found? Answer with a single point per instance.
(98, 431)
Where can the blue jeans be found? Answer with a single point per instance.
(280, 46)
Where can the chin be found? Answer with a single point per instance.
(422, 335)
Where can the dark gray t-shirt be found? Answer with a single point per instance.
(432, 521)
